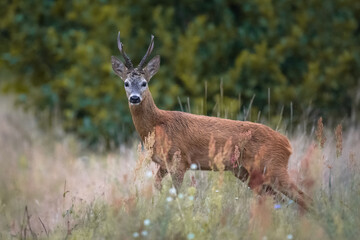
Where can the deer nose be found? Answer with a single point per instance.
(134, 99)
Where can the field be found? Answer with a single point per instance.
(52, 189)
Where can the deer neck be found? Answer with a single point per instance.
(145, 115)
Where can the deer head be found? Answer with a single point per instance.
(135, 79)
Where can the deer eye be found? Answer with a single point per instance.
(143, 84)
(126, 84)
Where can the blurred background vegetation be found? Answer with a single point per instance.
(216, 55)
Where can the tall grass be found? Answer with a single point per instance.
(51, 189)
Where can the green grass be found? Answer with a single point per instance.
(72, 194)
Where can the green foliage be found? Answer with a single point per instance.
(57, 56)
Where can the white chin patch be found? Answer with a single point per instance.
(134, 103)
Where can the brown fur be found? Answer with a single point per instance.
(262, 157)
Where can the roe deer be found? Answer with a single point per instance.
(253, 152)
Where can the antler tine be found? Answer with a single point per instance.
(128, 62)
(148, 52)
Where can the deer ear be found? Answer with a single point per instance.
(152, 67)
(119, 68)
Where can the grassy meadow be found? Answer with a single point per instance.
(50, 188)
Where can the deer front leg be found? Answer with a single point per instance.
(177, 179)
(160, 174)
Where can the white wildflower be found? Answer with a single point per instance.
(148, 174)
(172, 191)
(190, 236)
(147, 222)
(193, 166)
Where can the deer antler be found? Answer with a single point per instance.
(128, 62)
(148, 52)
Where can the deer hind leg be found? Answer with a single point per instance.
(286, 186)
(259, 182)
(255, 181)
(262, 187)
(267, 189)
(241, 173)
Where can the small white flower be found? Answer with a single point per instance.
(181, 196)
(148, 174)
(172, 191)
(144, 233)
(135, 234)
(147, 222)
(191, 198)
(277, 206)
(216, 190)
(190, 236)
(193, 166)
(289, 236)
(169, 199)
(236, 198)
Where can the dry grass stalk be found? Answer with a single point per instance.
(311, 167)
(219, 156)
(212, 147)
(235, 158)
(352, 160)
(260, 215)
(320, 133)
(339, 140)
(144, 157)
(176, 160)
(245, 138)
